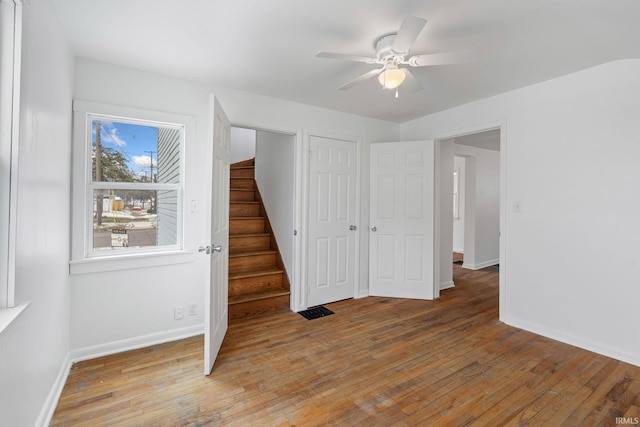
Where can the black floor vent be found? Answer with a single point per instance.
(315, 312)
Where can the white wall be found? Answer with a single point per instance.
(34, 349)
(571, 151)
(243, 144)
(115, 310)
(110, 311)
(275, 176)
(458, 223)
(482, 240)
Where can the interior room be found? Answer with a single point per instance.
(122, 205)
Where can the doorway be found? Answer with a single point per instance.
(276, 151)
(471, 194)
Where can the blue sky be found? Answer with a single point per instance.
(134, 141)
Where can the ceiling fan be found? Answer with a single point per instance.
(392, 50)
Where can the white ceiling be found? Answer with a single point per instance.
(268, 47)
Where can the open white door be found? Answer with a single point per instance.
(216, 295)
(332, 220)
(401, 220)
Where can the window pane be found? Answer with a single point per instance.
(134, 219)
(130, 152)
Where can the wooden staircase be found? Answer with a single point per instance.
(258, 283)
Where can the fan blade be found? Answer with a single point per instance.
(411, 84)
(345, 57)
(408, 33)
(446, 58)
(360, 79)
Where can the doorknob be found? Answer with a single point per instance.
(206, 249)
(217, 248)
(353, 227)
(374, 229)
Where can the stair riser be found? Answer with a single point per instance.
(242, 173)
(238, 244)
(241, 183)
(244, 209)
(251, 308)
(251, 263)
(247, 285)
(241, 196)
(246, 226)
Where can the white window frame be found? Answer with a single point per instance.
(83, 258)
(10, 60)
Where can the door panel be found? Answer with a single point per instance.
(332, 206)
(216, 298)
(401, 219)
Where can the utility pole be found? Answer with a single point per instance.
(98, 177)
(151, 162)
(153, 204)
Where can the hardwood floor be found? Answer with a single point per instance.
(375, 362)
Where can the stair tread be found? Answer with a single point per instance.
(251, 253)
(248, 162)
(246, 217)
(242, 189)
(232, 236)
(241, 167)
(244, 201)
(237, 299)
(255, 273)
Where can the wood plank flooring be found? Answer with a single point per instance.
(375, 362)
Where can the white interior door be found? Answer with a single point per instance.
(401, 220)
(332, 220)
(216, 298)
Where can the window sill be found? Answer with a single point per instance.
(130, 261)
(8, 315)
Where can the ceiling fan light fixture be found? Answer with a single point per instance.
(391, 78)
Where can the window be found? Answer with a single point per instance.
(456, 193)
(130, 199)
(10, 53)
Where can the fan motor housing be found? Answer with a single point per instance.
(384, 49)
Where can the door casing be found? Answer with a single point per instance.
(446, 234)
(297, 299)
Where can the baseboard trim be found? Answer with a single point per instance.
(447, 285)
(114, 347)
(53, 397)
(572, 340)
(481, 265)
(362, 294)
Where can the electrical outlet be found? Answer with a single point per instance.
(178, 312)
(192, 309)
